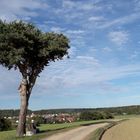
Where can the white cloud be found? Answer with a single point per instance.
(57, 29)
(121, 21)
(76, 12)
(11, 10)
(137, 5)
(119, 37)
(134, 55)
(87, 58)
(75, 32)
(79, 72)
(80, 5)
(107, 49)
(74, 73)
(96, 18)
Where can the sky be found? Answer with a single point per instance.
(104, 65)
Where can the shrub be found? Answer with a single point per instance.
(5, 124)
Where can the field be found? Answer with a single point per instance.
(127, 130)
(46, 130)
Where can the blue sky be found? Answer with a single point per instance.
(104, 65)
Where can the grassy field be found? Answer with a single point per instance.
(46, 130)
(127, 130)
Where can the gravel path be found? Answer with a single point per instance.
(79, 133)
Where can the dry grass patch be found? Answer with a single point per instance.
(127, 130)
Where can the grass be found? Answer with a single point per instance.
(46, 130)
(127, 130)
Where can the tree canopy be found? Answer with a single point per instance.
(24, 46)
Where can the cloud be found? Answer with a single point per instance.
(86, 72)
(57, 29)
(137, 5)
(75, 32)
(15, 9)
(81, 72)
(120, 21)
(76, 12)
(96, 18)
(88, 59)
(107, 49)
(80, 5)
(134, 55)
(119, 37)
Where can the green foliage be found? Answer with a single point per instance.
(24, 46)
(95, 115)
(5, 124)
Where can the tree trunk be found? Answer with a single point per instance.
(21, 129)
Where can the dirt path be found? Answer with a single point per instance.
(79, 133)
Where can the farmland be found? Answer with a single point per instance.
(127, 130)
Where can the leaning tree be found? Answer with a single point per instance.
(27, 49)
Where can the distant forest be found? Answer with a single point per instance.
(113, 110)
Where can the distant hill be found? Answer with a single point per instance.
(135, 109)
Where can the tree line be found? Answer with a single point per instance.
(113, 110)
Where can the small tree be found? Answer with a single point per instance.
(26, 48)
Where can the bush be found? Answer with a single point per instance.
(5, 124)
(86, 116)
(109, 116)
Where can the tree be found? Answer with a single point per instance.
(27, 49)
(87, 115)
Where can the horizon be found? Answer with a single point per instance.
(104, 65)
(104, 107)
